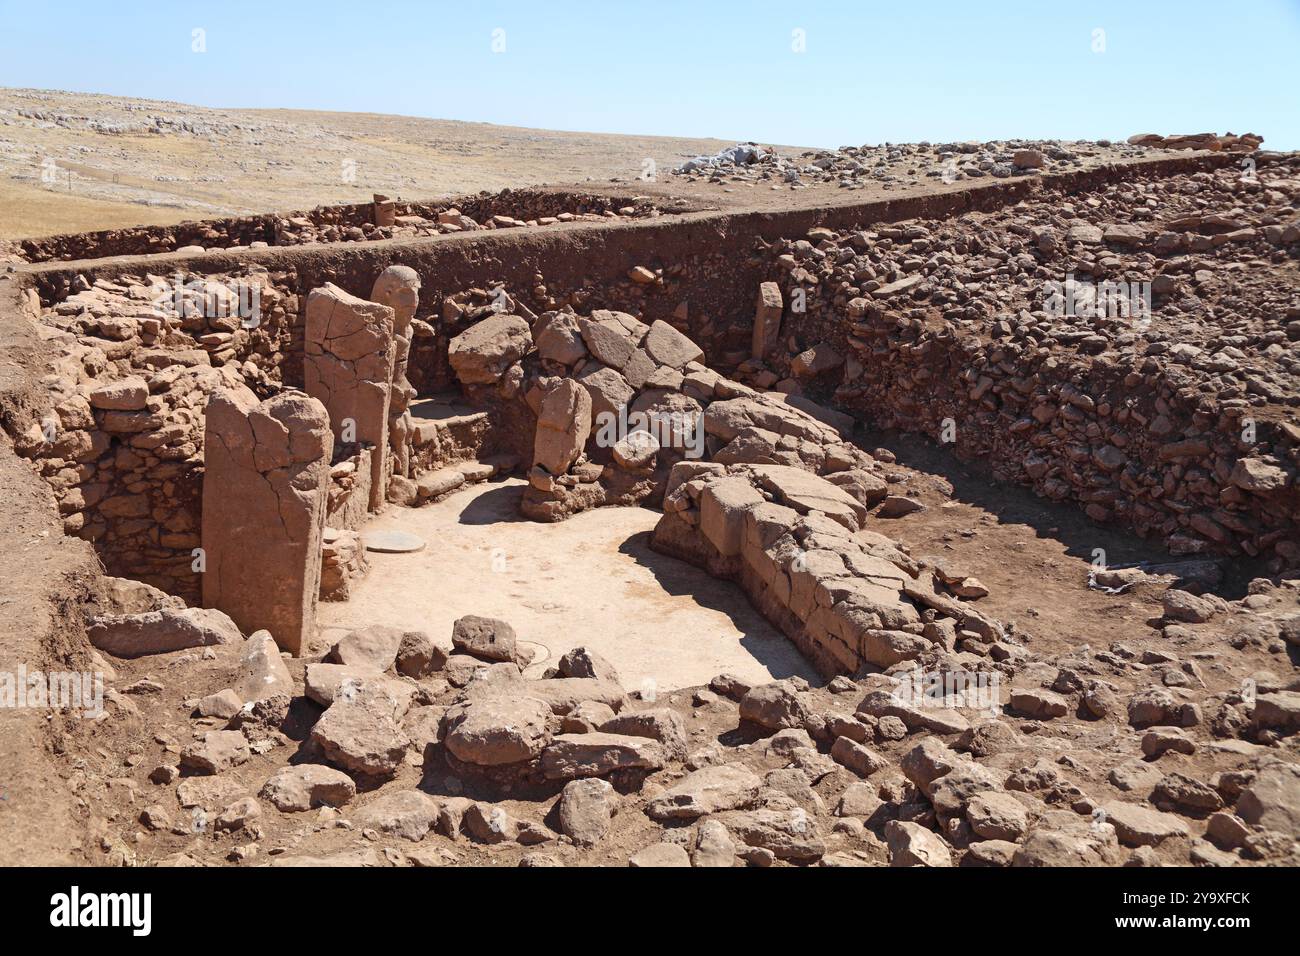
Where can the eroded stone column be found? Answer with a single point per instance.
(563, 427)
(398, 287)
(265, 489)
(349, 367)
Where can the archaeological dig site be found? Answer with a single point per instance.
(387, 493)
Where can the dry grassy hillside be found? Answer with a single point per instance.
(71, 162)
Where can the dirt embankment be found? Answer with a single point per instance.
(46, 577)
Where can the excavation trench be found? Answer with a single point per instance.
(123, 443)
(452, 387)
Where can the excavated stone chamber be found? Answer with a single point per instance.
(429, 384)
(230, 430)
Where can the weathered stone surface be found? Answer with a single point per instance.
(374, 647)
(611, 340)
(586, 810)
(938, 720)
(911, 844)
(1182, 606)
(1037, 703)
(637, 450)
(563, 694)
(1141, 826)
(867, 488)
(489, 823)
(238, 815)
(659, 855)
(209, 793)
(348, 366)
(325, 681)
(481, 354)
(559, 339)
(818, 360)
(359, 731)
(490, 731)
(774, 706)
(125, 394)
(307, 786)
(858, 800)
(595, 755)
(767, 319)
(265, 489)
(713, 846)
(609, 391)
(669, 347)
(723, 507)
(661, 723)
(858, 757)
(788, 833)
(224, 704)
(704, 791)
(219, 750)
(563, 427)
(1272, 800)
(408, 814)
(583, 662)
(398, 287)
(997, 816)
(1278, 711)
(484, 637)
(262, 671)
(420, 655)
(1179, 792)
(806, 492)
(158, 632)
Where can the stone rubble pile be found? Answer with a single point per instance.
(360, 222)
(1245, 143)
(343, 563)
(909, 164)
(1091, 758)
(997, 331)
(617, 403)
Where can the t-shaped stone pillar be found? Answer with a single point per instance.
(265, 491)
(398, 287)
(349, 366)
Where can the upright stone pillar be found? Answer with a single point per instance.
(767, 319)
(349, 366)
(385, 212)
(265, 492)
(398, 287)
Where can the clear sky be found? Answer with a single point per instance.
(869, 71)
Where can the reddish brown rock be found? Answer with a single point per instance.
(264, 499)
(348, 365)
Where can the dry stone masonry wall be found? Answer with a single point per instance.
(1020, 338)
(382, 219)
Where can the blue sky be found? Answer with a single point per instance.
(870, 72)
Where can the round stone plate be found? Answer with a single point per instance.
(393, 542)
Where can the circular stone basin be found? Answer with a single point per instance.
(393, 542)
(541, 653)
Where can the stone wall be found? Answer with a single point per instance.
(351, 222)
(129, 376)
(802, 550)
(994, 335)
